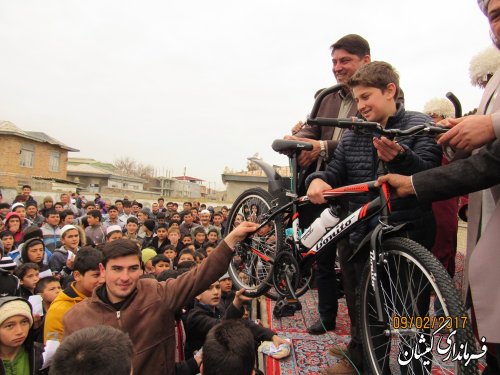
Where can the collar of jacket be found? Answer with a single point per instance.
(100, 295)
(397, 117)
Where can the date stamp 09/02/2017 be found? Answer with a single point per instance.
(429, 322)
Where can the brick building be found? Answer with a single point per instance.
(28, 157)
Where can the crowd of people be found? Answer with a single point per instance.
(160, 272)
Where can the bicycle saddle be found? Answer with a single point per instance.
(284, 145)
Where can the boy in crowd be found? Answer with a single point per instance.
(206, 313)
(9, 284)
(113, 218)
(26, 192)
(186, 255)
(132, 229)
(160, 263)
(209, 247)
(146, 256)
(19, 209)
(33, 215)
(229, 336)
(186, 239)
(188, 224)
(218, 219)
(67, 218)
(113, 232)
(160, 241)
(48, 288)
(199, 237)
(95, 231)
(87, 277)
(148, 228)
(174, 236)
(51, 231)
(226, 289)
(70, 239)
(7, 239)
(28, 274)
(4, 210)
(213, 235)
(127, 211)
(356, 159)
(171, 253)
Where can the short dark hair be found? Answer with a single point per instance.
(65, 213)
(376, 74)
(87, 259)
(354, 44)
(42, 283)
(209, 244)
(127, 204)
(4, 205)
(132, 219)
(163, 225)
(121, 247)
(186, 250)
(23, 269)
(30, 203)
(159, 258)
(198, 230)
(6, 233)
(98, 350)
(168, 274)
(229, 349)
(170, 247)
(90, 204)
(53, 211)
(96, 214)
(186, 265)
(119, 201)
(161, 199)
(112, 207)
(26, 186)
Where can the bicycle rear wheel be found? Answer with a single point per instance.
(421, 310)
(252, 265)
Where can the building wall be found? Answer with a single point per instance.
(235, 188)
(12, 174)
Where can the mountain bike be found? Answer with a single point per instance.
(399, 285)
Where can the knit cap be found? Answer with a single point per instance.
(147, 254)
(16, 306)
(6, 263)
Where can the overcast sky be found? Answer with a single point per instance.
(206, 84)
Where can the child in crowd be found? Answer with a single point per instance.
(33, 251)
(113, 232)
(67, 217)
(4, 210)
(95, 232)
(147, 255)
(28, 274)
(132, 229)
(87, 277)
(213, 236)
(70, 239)
(226, 288)
(51, 230)
(171, 253)
(13, 225)
(199, 237)
(7, 239)
(160, 263)
(174, 236)
(9, 284)
(206, 313)
(209, 247)
(148, 228)
(160, 241)
(198, 256)
(48, 288)
(18, 351)
(186, 239)
(186, 255)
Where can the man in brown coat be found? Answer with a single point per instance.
(145, 308)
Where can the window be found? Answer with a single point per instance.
(27, 155)
(54, 158)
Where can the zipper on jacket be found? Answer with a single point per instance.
(118, 315)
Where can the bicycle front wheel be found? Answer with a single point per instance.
(252, 265)
(424, 323)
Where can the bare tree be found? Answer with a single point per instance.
(129, 166)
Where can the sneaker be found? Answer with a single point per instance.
(342, 367)
(318, 328)
(338, 350)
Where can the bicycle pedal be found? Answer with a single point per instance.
(286, 307)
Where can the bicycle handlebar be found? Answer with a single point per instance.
(374, 127)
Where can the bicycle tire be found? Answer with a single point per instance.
(304, 285)
(246, 269)
(406, 266)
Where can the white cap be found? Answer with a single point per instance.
(225, 276)
(15, 205)
(113, 228)
(205, 212)
(66, 228)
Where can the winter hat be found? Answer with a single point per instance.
(147, 254)
(150, 224)
(113, 228)
(66, 228)
(7, 264)
(439, 106)
(30, 203)
(12, 306)
(16, 205)
(11, 214)
(224, 277)
(32, 232)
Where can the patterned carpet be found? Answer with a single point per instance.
(310, 353)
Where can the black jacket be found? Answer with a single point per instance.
(202, 318)
(355, 161)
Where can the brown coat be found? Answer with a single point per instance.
(149, 317)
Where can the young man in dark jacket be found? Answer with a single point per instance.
(375, 88)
